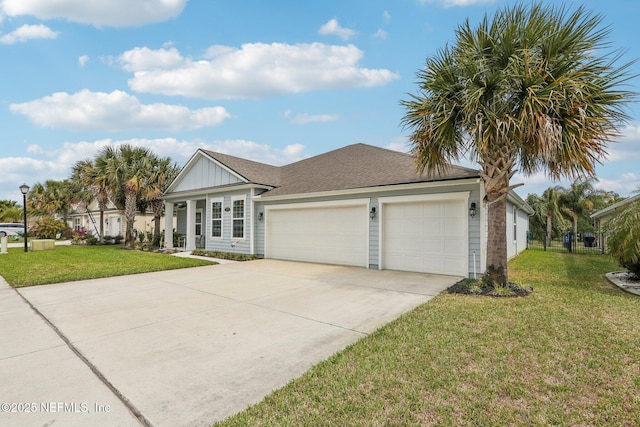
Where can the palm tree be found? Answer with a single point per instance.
(529, 89)
(52, 198)
(126, 170)
(10, 211)
(576, 201)
(89, 177)
(547, 208)
(163, 172)
(551, 202)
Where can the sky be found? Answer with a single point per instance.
(273, 81)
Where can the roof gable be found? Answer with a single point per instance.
(251, 171)
(203, 171)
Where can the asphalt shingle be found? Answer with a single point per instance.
(350, 167)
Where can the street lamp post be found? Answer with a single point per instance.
(24, 189)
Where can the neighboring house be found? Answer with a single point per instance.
(114, 221)
(359, 205)
(604, 215)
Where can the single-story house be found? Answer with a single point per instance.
(359, 205)
(602, 216)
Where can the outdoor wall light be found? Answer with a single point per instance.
(472, 209)
(24, 189)
(260, 216)
(372, 212)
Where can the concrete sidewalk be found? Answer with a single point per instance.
(190, 347)
(42, 381)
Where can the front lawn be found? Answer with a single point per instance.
(67, 263)
(567, 354)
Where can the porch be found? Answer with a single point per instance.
(190, 231)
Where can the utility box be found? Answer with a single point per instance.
(3, 245)
(43, 244)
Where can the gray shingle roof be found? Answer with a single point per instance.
(350, 167)
(255, 172)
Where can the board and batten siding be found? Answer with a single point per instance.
(203, 174)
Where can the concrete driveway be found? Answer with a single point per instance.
(188, 347)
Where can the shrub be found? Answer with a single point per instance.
(47, 227)
(224, 255)
(117, 239)
(92, 240)
(623, 237)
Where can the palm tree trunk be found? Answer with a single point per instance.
(497, 170)
(130, 217)
(496, 272)
(157, 206)
(549, 227)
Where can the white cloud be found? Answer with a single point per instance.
(453, 3)
(143, 58)
(56, 163)
(114, 111)
(625, 184)
(18, 170)
(255, 70)
(306, 118)
(28, 32)
(332, 27)
(400, 144)
(380, 34)
(110, 13)
(386, 16)
(627, 147)
(82, 60)
(260, 152)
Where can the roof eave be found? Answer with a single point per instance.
(367, 190)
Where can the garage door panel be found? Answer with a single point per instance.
(425, 236)
(334, 235)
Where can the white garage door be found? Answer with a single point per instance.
(425, 236)
(324, 234)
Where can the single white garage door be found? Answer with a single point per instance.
(323, 234)
(425, 236)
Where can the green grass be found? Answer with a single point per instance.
(68, 263)
(568, 354)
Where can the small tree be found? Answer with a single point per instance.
(623, 237)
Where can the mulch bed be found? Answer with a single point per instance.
(477, 288)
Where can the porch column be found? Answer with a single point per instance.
(168, 225)
(190, 244)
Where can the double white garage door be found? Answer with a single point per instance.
(423, 235)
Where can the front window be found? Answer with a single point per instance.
(216, 219)
(199, 222)
(238, 219)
